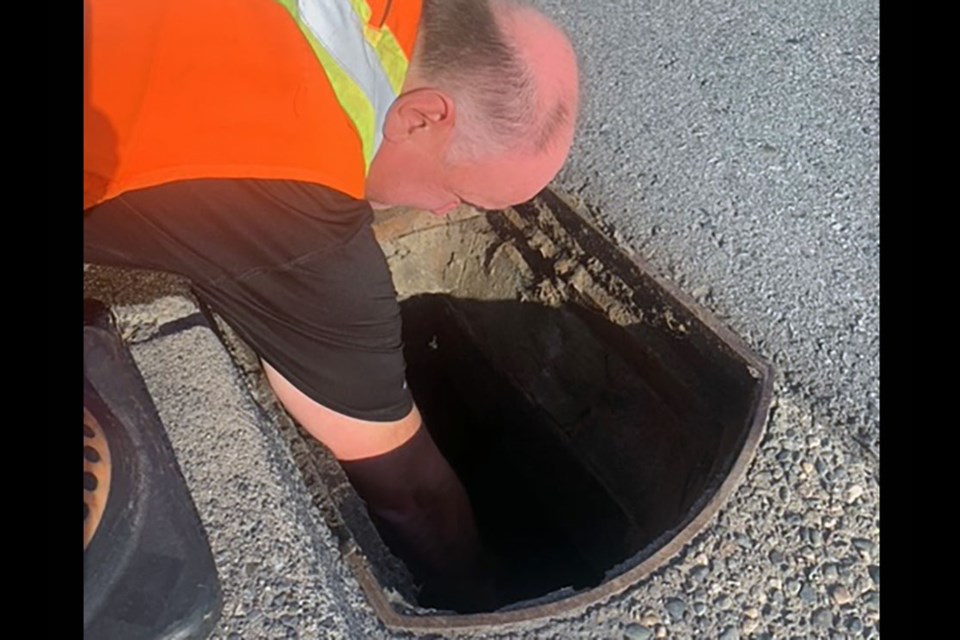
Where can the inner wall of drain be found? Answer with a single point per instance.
(581, 442)
(538, 508)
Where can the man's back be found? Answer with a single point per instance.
(179, 89)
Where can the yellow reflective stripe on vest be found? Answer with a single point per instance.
(360, 62)
(388, 49)
(391, 55)
(362, 9)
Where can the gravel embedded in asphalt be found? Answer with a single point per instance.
(822, 618)
(676, 608)
(730, 633)
(840, 595)
(637, 631)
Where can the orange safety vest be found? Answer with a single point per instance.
(273, 89)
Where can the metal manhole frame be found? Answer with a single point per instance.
(759, 369)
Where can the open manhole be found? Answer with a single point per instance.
(597, 417)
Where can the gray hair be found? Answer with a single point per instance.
(465, 53)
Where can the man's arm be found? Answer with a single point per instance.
(419, 504)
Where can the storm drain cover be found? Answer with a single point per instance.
(148, 573)
(596, 416)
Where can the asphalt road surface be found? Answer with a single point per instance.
(735, 146)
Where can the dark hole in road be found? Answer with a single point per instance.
(596, 419)
(547, 520)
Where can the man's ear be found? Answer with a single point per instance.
(417, 112)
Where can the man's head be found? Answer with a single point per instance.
(487, 111)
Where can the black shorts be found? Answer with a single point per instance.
(293, 267)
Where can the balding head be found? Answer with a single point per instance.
(510, 71)
(548, 58)
(487, 111)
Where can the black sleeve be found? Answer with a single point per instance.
(293, 267)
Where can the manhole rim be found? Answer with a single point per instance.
(566, 606)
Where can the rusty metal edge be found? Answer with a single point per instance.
(576, 603)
